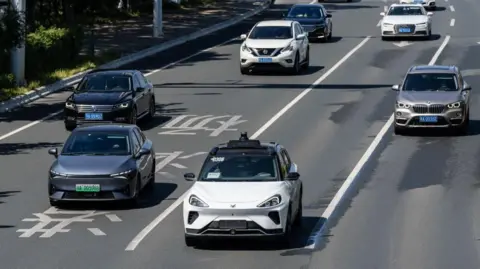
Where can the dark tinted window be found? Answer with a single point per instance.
(306, 12)
(97, 143)
(271, 32)
(430, 82)
(106, 82)
(239, 168)
(405, 11)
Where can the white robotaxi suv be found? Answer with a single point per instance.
(406, 20)
(275, 44)
(427, 4)
(245, 188)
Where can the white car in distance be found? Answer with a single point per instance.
(275, 44)
(245, 188)
(406, 20)
(427, 4)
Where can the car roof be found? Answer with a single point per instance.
(105, 128)
(418, 69)
(275, 23)
(128, 72)
(307, 5)
(408, 4)
(244, 144)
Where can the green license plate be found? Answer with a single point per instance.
(87, 187)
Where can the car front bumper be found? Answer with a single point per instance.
(406, 118)
(316, 32)
(111, 189)
(76, 117)
(221, 220)
(279, 60)
(393, 30)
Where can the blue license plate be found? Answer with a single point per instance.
(264, 60)
(428, 119)
(404, 30)
(93, 116)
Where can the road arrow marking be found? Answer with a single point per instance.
(402, 44)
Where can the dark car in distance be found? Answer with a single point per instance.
(112, 96)
(314, 19)
(102, 163)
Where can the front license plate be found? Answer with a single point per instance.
(87, 188)
(404, 30)
(93, 116)
(233, 224)
(428, 119)
(264, 60)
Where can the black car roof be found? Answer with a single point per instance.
(127, 72)
(105, 128)
(307, 5)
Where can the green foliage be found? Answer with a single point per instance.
(6, 81)
(11, 35)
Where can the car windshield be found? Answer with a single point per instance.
(271, 32)
(306, 12)
(105, 83)
(239, 168)
(97, 143)
(405, 11)
(430, 82)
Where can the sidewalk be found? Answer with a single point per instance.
(134, 35)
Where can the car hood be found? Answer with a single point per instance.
(309, 21)
(91, 165)
(268, 43)
(415, 19)
(100, 98)
(432, 97)
(235, 192)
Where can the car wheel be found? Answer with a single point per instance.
(244, 71)
(463, 129)
(135, 200)
(296, 66)
(298, 217)
(306, 64)
(284, 239)
(330, 34)
(70, 127)
(151, 109)
(190, 241)
(133, 117)
(151, 180)
(384, 38)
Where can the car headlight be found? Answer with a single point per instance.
(288, 48)
(195, 201)
(122, 105)
(272, 201)
(69, 105)
(421, 24)
(403, 105)
(387, 24)
(245, 48)
(455, 105)
(124, 173)
(56, 173)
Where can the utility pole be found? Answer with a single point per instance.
(157, 18)
(18, 53)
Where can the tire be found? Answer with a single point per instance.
(190, 241)
(70, 127)
(151, 109)
(298, 217)
(244, 71)
(133, 117)
(384, 38)
(330, 34)
(463, 129)
(296, 66)
(151, 181)
(306, 64)
(135, 200)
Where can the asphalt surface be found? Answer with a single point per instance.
(415, 208)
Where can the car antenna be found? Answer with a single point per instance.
(243, 136)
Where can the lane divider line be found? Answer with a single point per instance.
(452, 22)
(149, 228)
(452, 9)
(379, 23)
(317, 234)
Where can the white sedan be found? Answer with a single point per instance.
(427, 4)
(406, 20)
(276, 44)
(245, 189)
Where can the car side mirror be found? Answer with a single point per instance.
(243, 37)
(70, 88)
(329, 15)
(293, 176)
(396, 87)
(429, 13)
(142, 152)
(382, 13)
(189, 176)
(301, 36)
(467, 88)
(53, 152)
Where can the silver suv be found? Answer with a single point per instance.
(432, 96)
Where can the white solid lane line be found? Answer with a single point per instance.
(379, 23)
(452, 9)
(316, 236)
(452, 22)
(134, 243)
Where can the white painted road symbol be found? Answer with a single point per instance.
(191, 124)
(168, 158)
(60, 224)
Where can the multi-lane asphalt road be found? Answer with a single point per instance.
(413, 205)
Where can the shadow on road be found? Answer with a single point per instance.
(164, 113)
(23, 148)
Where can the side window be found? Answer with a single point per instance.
(135, 143)
(287, 159)
(144, 79)
(136, 84)
(324, 12)
(298, 29)
(139, 135)
(283, 166)
(460, 80)
(140, 80)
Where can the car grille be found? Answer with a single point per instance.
(265, 52)
(431, 109)
(411, 26)
(88, 195)
(94, 108)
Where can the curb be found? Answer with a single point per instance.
(43, 91)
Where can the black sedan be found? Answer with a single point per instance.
(105, 95)
(314, 19)
(102, 163)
